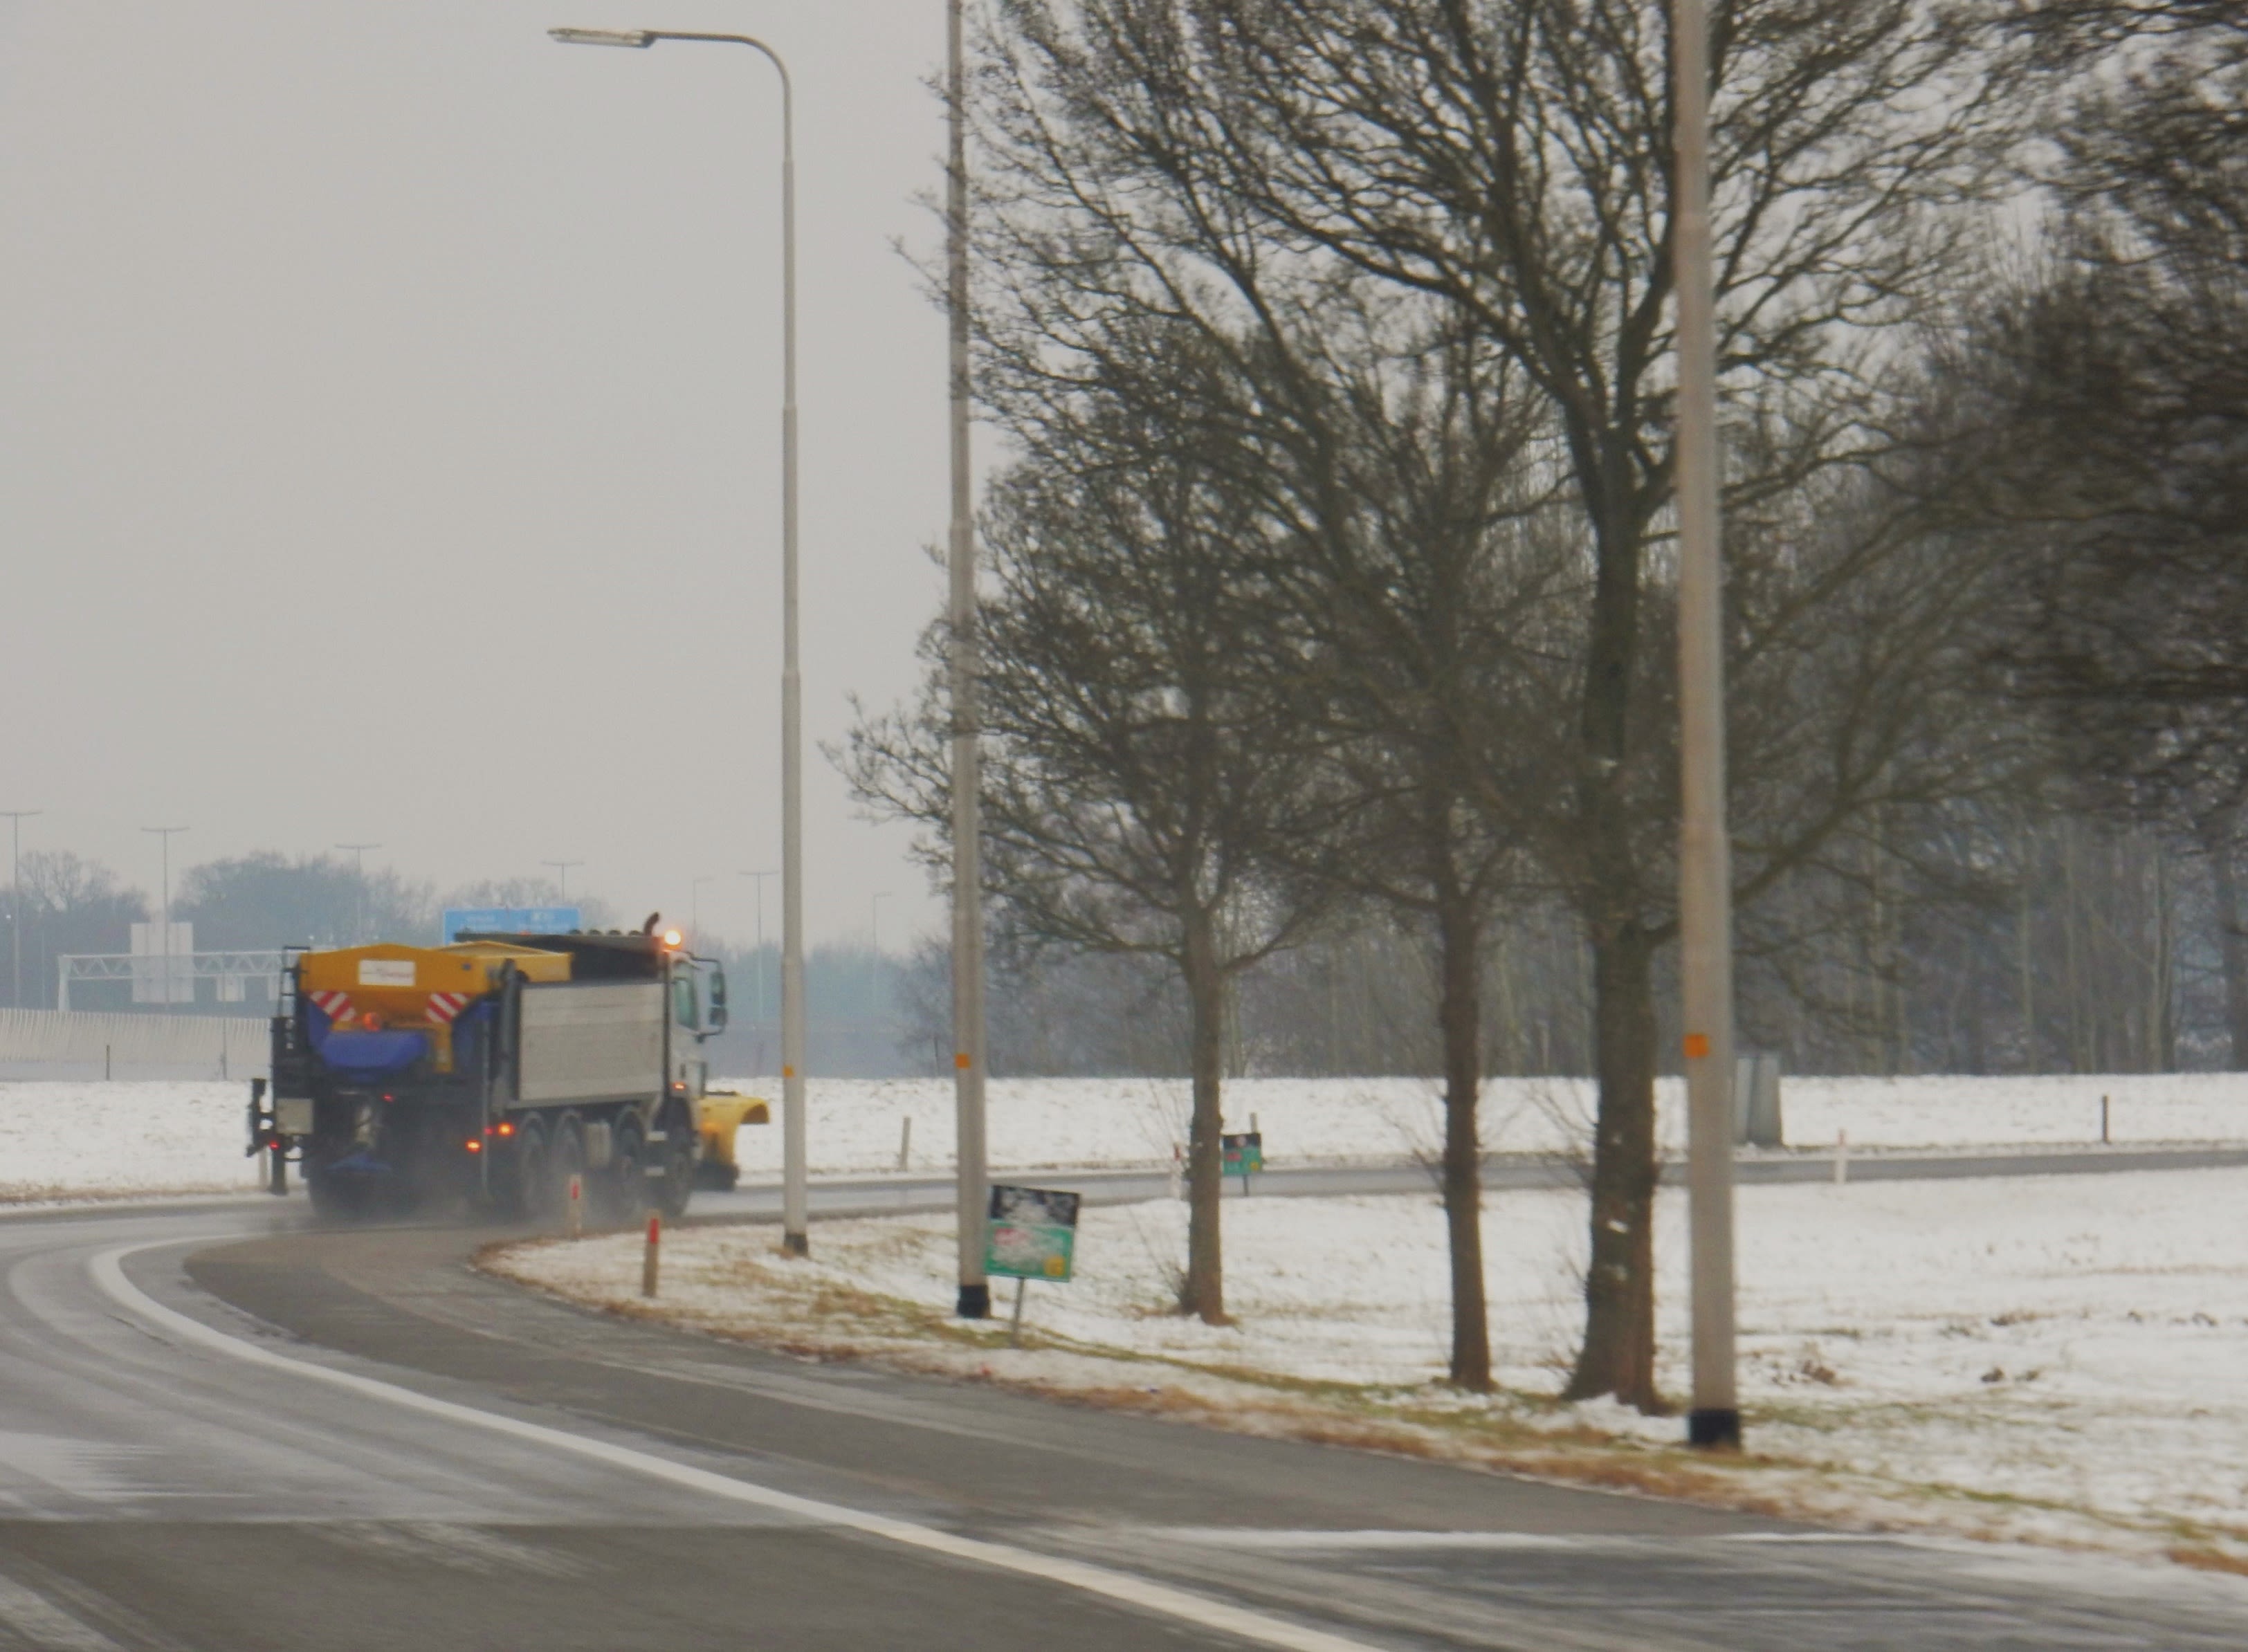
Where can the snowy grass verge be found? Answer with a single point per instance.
(2048, 1358)
(71, 1143)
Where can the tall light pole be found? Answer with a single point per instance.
(973, 1192)
(695, 905)
(358, 871)
(875, 956)
(795, 1212)
(760, 877)
(15, 818)
(163, 835)
(1705, 889)
(562, 877)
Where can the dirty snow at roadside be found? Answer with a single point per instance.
(2070, 1346)
(67, 1139)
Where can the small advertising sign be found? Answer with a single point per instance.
(1242, 1153)
(1031, 1234)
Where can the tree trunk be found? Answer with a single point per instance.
(1458, 936)
(1203, 1291)
(1618, 1355)
(2232, 945)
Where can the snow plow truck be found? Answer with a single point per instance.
(495, 1072)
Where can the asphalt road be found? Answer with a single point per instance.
(220, 1429)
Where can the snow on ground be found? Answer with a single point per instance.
(856, 1125)
(2055, 1356)
(61, 1140)
(144, 1135)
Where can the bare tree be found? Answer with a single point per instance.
(1141, 771)
(2116, 379)
(1511, 166)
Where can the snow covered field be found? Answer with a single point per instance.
(2055, 1356)
(60, 1140)
(856, 1126)
(145, 1135)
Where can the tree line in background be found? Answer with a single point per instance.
(1329, 647)
(260, 902)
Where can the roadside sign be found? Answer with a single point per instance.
(1242, 1153)
(1031, 1233)
(510, 921)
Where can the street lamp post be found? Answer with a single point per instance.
(875, 957)
(794, 1202)
(972, 1192)
(695, 906)
(760, 878)
(358, 871)
(163, 835)
(15, 818)
(1705, 920)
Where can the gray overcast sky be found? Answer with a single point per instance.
(389, 411)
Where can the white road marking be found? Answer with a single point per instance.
(1120, 1586)
(27, 1616)
(1258, 1537)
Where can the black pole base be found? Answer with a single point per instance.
(796, 1244)
(1714, 1430)
(975, 1302)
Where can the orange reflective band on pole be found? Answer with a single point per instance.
(960, 1060)
(1697, 1046)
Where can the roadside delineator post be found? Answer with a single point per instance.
(573, 1211)
(2103, 1121)
(1842, 1157)
(648, 1257)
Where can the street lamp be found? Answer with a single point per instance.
(760, 878)
(875, 956)
(163, 835)
(794, 1202)
(562, 878)
(358, 871)
(1705, 889)
(15, 818)
(971, 1191)
(695, 905)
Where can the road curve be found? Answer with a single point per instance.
(219, 1430)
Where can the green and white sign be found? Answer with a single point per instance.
(1031, 1233)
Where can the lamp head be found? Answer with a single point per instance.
(602, 37)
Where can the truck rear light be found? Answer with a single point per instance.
(473, 1145)
(506, 1127)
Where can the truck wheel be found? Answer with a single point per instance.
(567, 1158)
(344, 1198)
(529, 1185)
(676, 1153)
(624, 1186)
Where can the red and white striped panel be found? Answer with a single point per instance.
(443, 1006)
(337, 1006)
